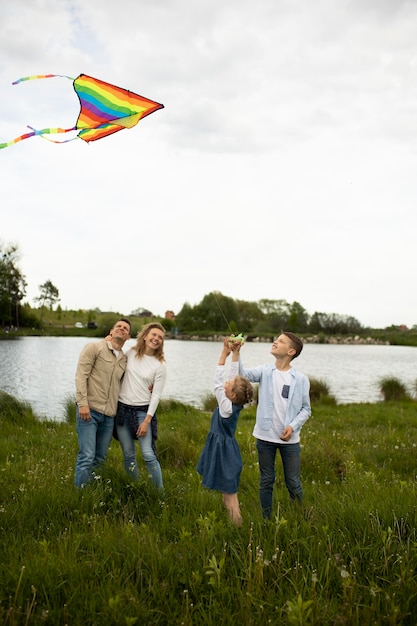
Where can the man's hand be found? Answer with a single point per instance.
(84, 413)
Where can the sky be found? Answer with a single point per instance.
(282, 166)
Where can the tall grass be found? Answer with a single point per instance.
(119, 553)
(393, 389)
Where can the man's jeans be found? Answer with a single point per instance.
(129, 451)
(290, 457)
(93, 444)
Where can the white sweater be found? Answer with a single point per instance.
(141, 374)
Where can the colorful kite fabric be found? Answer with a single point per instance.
(105, 109)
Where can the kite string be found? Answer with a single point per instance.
(221, 311)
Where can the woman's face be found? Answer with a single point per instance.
(154, 339)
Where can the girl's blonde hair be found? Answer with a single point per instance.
(140, 346)
(243, 390)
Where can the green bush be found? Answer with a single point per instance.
(393, 389)
(320, 392)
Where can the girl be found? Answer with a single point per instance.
(220, 463)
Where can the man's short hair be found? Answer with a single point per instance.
(126, 320)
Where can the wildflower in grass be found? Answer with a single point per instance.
(344, 573)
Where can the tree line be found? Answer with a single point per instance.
(219, 313)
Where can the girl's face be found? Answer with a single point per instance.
(228, 388)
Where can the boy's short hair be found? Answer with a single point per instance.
(297, 343)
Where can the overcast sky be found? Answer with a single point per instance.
(283, 166)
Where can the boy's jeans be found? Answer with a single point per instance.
(290, 457)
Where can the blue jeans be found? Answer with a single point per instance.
(129, 451)
(93, 444)
(290, 457)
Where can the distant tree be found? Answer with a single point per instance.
(218, 313)
(276, 315)
(249, 315)
(298, 319)
(333, 323)
(185, 318)
(12, 284)
(49, 295)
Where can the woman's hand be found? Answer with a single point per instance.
(143, 428)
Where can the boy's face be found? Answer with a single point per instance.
(282, 346)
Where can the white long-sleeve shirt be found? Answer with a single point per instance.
(225, 405)
(140, 374)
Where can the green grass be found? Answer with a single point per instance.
(116, 553)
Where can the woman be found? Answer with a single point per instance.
(140, 392)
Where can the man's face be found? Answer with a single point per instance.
(121, 331)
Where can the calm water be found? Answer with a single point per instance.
(40, 370)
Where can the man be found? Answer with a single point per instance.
(97, 380)
(283, 408)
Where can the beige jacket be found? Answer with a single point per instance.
(98, 376)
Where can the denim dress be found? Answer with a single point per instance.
(220, 463)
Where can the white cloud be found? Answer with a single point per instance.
(282, 166)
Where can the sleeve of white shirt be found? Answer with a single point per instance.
(234, 369)
(158, 387)
(225, 405)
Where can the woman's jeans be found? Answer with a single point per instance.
(129, 451)
(290, 457)
(94, 439)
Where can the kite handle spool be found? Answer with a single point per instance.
(236, 339)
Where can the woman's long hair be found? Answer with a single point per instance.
(140, 346)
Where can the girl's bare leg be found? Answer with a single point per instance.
(231, 503)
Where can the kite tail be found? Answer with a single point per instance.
(20, 80)
(41, 133)
(45, 131)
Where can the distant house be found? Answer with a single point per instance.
(141, 313)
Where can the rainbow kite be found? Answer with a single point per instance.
(105, 109)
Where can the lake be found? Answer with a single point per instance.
(40, 370)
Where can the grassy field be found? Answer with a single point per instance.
(116, 553)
